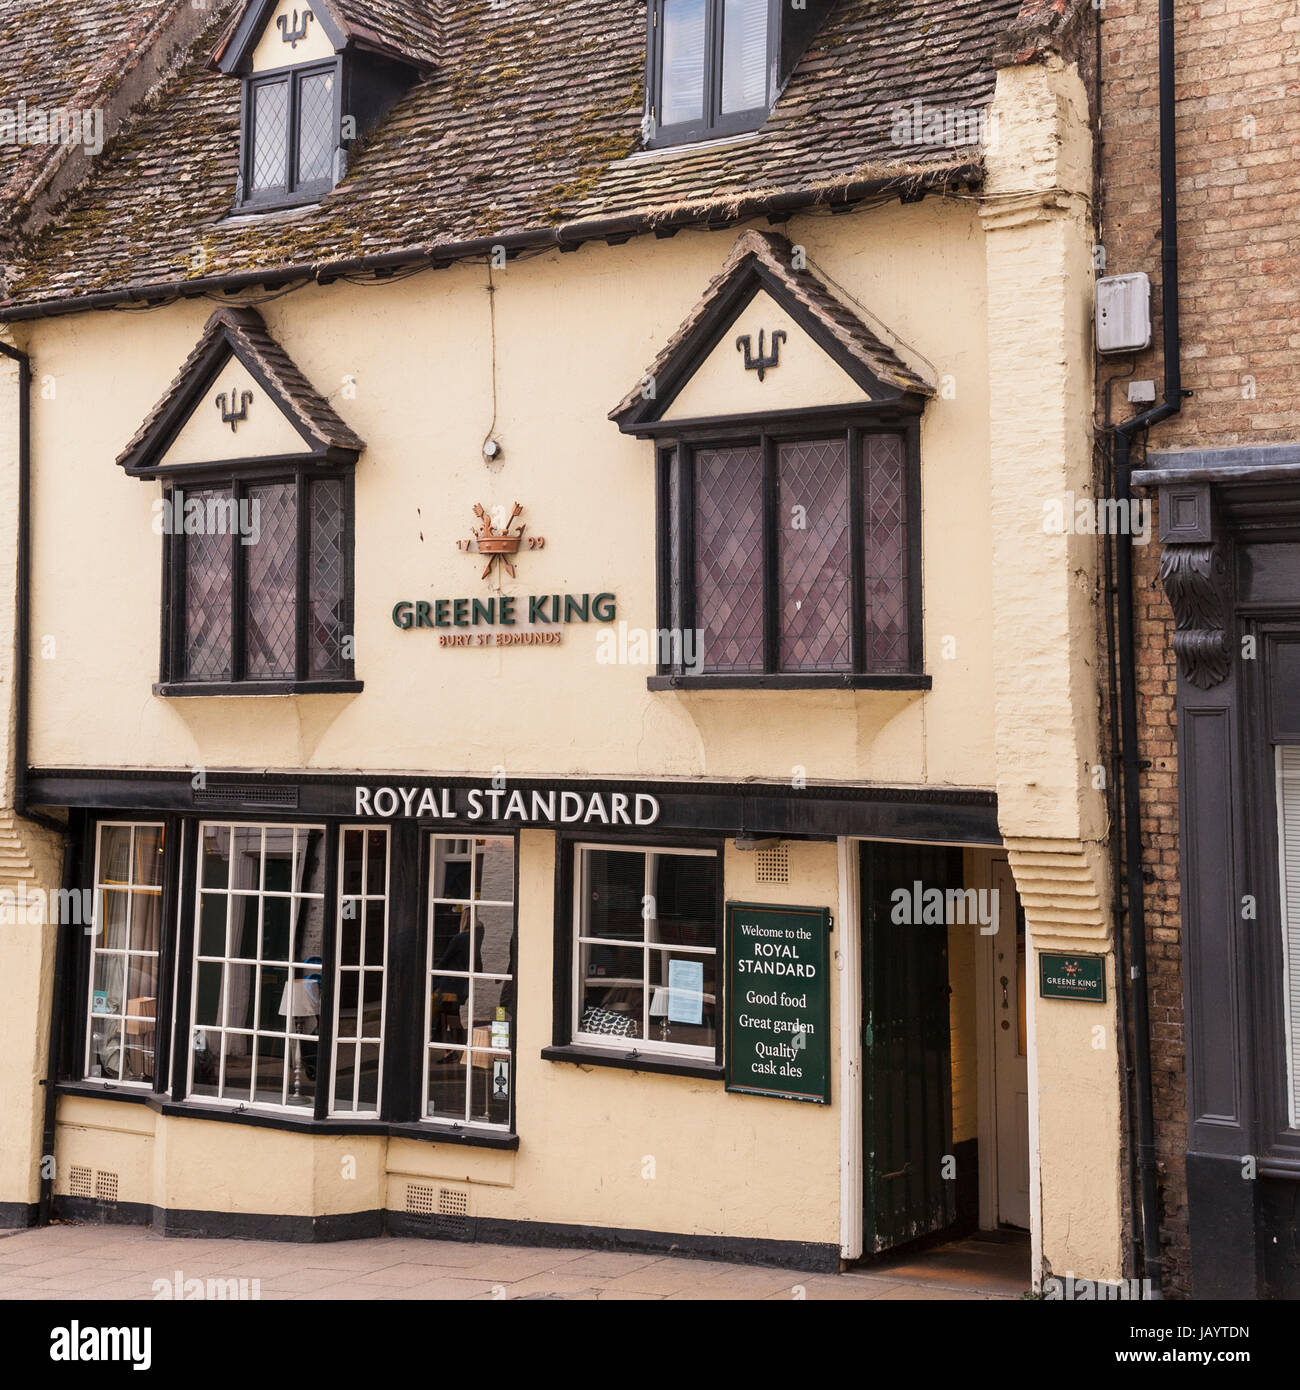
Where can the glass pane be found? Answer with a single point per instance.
(350, 868)
(685, 30)
(208, 591)
(377, 863)
(212, 924)
(369, 1063)
(744, 55)
(729, 558)
(315, 127)
(148, 865)
(494, 872)
(142, 987)
(115, 854)
(451, 869)
(372, 1004)
(685, 900)
(216, 856)
(815, 556)
(207, 1002)
(374, 933)
(613, 895)
(344, 1074)
(349, 986)
(489, 1088)
(613, 993)
(446, 1096)
(234, 1053)
(326, 616)
(270, 126)
(350, 928)
(683, 999)
(271, 566)
(106, 1059)
(108, 986)
(112, 910)
(146, 917)
(884, 507)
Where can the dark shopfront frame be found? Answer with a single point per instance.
(1230, 530)
(694, 815)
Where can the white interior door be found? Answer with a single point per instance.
(1010, 1052)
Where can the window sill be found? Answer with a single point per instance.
(173, 689)
(631, 1061)
(269, 1119)
(829, 681)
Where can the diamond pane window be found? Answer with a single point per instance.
(271, 584)
(290, 136)
(265, 570)
(884, 518)
(327, 621)
(270, 135)
(815, 556)
(790, 558)
(315, 127)
(729, 557)
(207, 600)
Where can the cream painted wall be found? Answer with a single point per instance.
(573, 332)
(271, 51)
(598, 1145)
(206, 438)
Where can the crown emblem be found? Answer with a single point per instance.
(494, 538)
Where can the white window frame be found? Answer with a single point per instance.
(474, 903)
(363, 900)
(255, 1033)
(645, 1043)
(96, 950)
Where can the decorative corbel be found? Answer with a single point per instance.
(1194, 573)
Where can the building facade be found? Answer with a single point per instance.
(545, 707)
(1215, 597)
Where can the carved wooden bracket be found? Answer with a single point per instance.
(1195, 578)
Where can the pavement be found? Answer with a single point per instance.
(74, 1261)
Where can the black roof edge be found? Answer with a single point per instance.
(566, 237)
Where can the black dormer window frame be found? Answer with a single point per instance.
(714, 124)
(291, 193)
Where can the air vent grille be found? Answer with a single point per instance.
(80, 1182)
(247, 794)
(772, 865)
(420, 1199)
(452, 1220)
(106, 1187)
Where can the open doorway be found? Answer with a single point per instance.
(945, 1093)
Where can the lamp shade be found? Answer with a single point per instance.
(300, 999)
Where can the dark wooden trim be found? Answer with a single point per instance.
(824, 681)
(893, 414)
(331, 848)
(170, 908)
(184, 928)
(191, 689)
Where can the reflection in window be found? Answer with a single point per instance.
(469, 1033)
(646, 949)
(257, 982)
(362, 957)
(123, 1004)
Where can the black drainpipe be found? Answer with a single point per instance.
(1133, 765)
(22, 644)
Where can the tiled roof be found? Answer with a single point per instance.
(62, 54)
(244, 332)
(774, 252)
(527, 126)
(410, 30)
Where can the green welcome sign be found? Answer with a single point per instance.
(1072, 976)
(778, 1001)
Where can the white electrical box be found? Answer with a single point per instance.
(1124, 313)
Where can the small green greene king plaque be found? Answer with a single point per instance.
(778, 1039)
(1072, 977)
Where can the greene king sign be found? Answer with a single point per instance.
(499, 804)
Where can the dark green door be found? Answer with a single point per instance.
(906, 1053)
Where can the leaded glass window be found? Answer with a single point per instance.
(291, 133)
(260, 584)
(792, 555)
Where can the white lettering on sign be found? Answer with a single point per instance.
(528, 808)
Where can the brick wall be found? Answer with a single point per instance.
(1238, 100)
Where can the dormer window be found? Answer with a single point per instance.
(290, 135)
(316, 77)
(709, 63)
